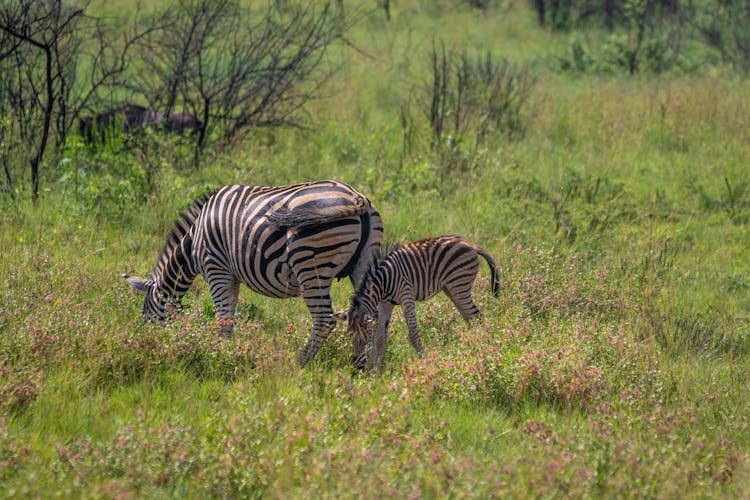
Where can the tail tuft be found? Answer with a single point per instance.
(494, 274)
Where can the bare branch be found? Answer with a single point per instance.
(236, 68)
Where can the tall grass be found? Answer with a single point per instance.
(614, 363)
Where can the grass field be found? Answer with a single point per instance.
(614, 364)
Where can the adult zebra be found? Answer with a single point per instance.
(280, 241)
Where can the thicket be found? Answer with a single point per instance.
(224, 67)
(233, 68)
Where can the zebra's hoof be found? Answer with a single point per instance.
(359, 362)
(302, 361)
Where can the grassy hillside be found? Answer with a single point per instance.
(615, 362)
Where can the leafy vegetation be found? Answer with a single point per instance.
(614, 363)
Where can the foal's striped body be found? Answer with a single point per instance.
(410, 273)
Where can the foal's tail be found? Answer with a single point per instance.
(494, 274)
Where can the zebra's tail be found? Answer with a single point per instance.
(494, 274)
(315, 214)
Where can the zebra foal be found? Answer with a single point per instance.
(406, 274)
(280, 241)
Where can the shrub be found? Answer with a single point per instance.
(466, 102)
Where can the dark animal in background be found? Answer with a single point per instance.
(177, 122)
(130, 118)
(126, 118)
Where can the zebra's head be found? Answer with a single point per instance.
(361, 318)
(155, 302)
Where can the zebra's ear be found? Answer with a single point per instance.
(341, 316)
(137, 283)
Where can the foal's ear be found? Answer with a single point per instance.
(341, 316)
(137, 283)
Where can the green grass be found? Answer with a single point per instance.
(615, 362)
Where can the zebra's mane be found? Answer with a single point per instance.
(180, 228)
(386, 251)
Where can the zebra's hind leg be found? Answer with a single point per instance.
(225, 291)
(410, 314)
(318, 303)
(461, 298)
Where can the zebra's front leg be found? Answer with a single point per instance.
(410, 314)
(225, 292)
(319, 304)
(385, 310)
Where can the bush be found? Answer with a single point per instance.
(467, 102)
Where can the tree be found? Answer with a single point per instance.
(42, 87)
(42, 27)
(723, 25)
(234, 68)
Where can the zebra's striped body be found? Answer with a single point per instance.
(280, 241)
(410, 273)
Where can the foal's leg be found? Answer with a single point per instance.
(460, 295)
(385, 310)
(410, 314)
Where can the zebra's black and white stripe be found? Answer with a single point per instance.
(410, 273)
(280, 241)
